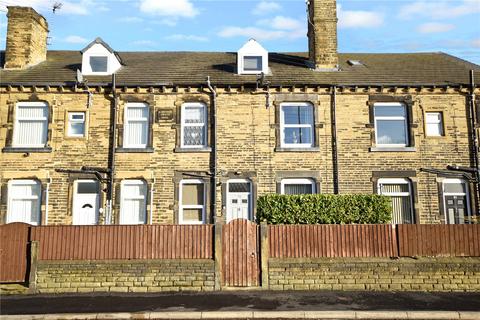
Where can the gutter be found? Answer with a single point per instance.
(214, 147)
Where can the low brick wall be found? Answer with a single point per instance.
(405, 274)
(125, 276)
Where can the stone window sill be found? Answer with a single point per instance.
(399, 149)
(135, 150)
(26, 150)
(313, 149)
(192, 150)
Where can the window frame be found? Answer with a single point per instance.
(70, 121)
(99, 56)
(440, 124)
(123, 198)
(391, 118)
(127, 121)
(38, 198)
(283, 125)
(259, 70)
(181, 206)
(445, 194)
(390, 181)
(297, 181)
(46, 119)
(183, 124)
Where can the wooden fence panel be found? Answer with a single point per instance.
(315, 241)
(439, 240)
(124, 242)
(14, 252)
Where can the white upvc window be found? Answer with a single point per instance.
(400, 191)
(456, 201)
(296, 125)
(76, 124)
(298, 186)
(434, 124)
(133, 205)
(194, 125)
(31, 125)
(391, 125)
(24, 201)
(192, 202)
(136, 123)
(99, 64)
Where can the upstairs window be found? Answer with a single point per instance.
(99, 63)
(76, 124)
(400, 191)
(252, 58)
(252, 63)
(298, 186)
(24, 198)
(297, 125)
(31, 125)
(194, 125)
(434, 124)
(391, 125)
(135, 132)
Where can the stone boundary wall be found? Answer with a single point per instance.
(125, 276)
(404, 274)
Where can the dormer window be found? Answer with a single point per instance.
(99, 64)
(99, 59)
(252, 58)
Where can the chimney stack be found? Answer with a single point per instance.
(322, 34)
(26, 38)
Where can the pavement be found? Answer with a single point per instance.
(245, 305)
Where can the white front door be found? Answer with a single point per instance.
(239, 197)
(86, 201)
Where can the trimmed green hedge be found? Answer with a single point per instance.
(324, 209)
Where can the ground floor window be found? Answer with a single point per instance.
(400, 191)
(24, 200)
(192, 202)
(133, 205)
(456, 201)
(297, 186)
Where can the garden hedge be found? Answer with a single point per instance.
(324, 209)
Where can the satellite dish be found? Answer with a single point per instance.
(79, 76)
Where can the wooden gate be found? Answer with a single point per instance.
(241, 265)
(13, 252)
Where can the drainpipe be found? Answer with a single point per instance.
(214, 147)
(111, 156)
(333, 91)
(47, 196)
(474, 139)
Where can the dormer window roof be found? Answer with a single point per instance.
(252, 58)
(98, 58)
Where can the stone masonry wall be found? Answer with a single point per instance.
(405, 274)
(125, 276)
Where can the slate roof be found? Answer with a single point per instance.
(192, 68)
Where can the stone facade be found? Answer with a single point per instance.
(26, 38)
(322, 34)
(426, 274)
(125, 276)
(247, 146)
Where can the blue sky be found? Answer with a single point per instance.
(451, 26)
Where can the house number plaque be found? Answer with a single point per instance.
(164, 114)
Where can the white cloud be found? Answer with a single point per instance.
(439, 9)
(169, 8)
(435, 27)
(282, 23)
(476, 43)
(130, 20)
(266, 7)
(359, 18)
(186, 37)
(75, 39)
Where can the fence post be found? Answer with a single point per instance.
(395, 242)
(264, 254)
(32, 277)
(218, 229)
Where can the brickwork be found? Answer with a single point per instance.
(322, 34)
(26, 38)
(441, 274)
(125, 276)
(247, 143)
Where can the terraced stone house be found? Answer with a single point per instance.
(104, 137)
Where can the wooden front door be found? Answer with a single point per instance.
(241, 265)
